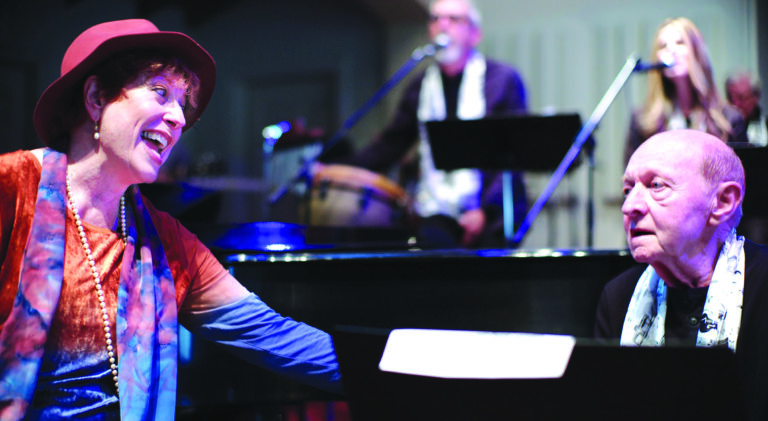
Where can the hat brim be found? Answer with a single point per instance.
(48, 113)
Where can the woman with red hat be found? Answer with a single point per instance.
(94, 279)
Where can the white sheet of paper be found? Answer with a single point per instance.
(476, 355)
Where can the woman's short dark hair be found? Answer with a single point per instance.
(131, 68)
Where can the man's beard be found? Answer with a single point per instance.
(449, 54)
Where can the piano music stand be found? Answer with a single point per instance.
(601, 382)
(524, 142)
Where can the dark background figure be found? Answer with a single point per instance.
(743, 91)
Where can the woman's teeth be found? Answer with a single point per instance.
(156, 138)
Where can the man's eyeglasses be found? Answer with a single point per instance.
(454, 19)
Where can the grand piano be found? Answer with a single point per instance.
(376, 280)
(373, 278)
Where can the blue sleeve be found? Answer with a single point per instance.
(256, 333)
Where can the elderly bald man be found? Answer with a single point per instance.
(700, 283)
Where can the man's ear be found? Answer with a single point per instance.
(728, 198)
(477, 36)
(94, 103)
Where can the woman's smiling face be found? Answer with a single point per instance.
(141, 126)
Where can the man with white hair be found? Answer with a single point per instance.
(743, 91)
(702, 284)
(460, 207)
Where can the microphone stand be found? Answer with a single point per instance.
(581, 138)
(417, 56)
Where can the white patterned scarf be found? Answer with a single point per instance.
(721, 317)
(449, 192)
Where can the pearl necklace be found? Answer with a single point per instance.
(97, 277)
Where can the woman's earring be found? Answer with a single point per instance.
(96, 134)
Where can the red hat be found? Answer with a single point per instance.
(100, 42)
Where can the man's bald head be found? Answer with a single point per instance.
(717, 161)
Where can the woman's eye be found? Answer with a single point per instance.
(161, 91)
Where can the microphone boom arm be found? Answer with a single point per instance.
(573, 152)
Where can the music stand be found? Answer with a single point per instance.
(753, 158)
(754, 223)
(524, 142)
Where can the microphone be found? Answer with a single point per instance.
(441, 41)
(666, 63)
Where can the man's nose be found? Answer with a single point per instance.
(634, 201)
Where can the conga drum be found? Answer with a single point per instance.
(343, 195)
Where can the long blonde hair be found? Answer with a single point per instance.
(661, 97)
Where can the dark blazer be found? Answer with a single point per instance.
(752, 343)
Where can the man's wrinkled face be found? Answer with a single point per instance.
(667, 201)
(451, 17)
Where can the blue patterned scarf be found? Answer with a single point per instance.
(147, 352)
